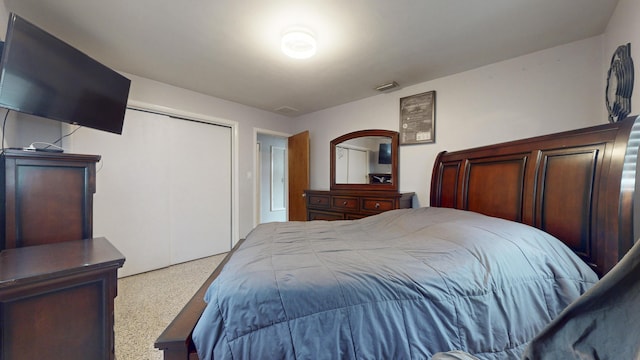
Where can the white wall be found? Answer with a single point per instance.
(624, 28)
(544, 92)
(4, 18)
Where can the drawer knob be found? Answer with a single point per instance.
(344, 203)
(377, 205)
(318, 201)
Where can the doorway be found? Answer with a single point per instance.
(296, 174)
(271, 173)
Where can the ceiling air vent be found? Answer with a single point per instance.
(388, 87)
(287, 110)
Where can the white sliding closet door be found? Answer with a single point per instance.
(352, 166)
(200, 199)
(163, 189)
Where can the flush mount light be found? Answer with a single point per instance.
(298, 44)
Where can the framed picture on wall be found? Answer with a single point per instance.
(417, 118)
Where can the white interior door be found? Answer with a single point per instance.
(342, 165)
(358, 167)
(163, 189)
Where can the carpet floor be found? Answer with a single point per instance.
(147, 302)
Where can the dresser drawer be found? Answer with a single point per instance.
(378, 205)
(322, 215)
(319, 201)
(344, 202)
(353, 204)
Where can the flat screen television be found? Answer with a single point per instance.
(44, 76)
(384, 153)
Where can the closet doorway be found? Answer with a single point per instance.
(165, 193)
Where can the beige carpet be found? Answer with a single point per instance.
(146, 304)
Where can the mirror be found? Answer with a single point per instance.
(365, 160)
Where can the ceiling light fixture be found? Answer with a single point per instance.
(298, 44)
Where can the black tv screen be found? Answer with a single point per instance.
(44, 76)
(384, 153)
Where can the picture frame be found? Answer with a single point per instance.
(417, 118)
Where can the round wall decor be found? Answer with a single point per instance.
(619, 84)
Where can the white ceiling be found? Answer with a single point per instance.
(230, 48)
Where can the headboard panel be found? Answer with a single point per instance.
(577, 185)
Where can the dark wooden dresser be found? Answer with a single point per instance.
(56, 300)
(57, 284)
(353, 204)
(351, 198)
(46, 197)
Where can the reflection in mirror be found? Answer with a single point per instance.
(363, 160)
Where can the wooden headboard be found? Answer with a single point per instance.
(577, 185)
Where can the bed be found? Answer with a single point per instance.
(576, 187)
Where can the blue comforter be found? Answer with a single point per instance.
(404, 284)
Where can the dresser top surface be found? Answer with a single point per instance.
(29, 154)
(42, 262)
(367, 193)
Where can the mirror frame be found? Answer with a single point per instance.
(363, 133)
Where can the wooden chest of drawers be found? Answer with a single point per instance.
(349, 204)
(57, 300)
(45, 197)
